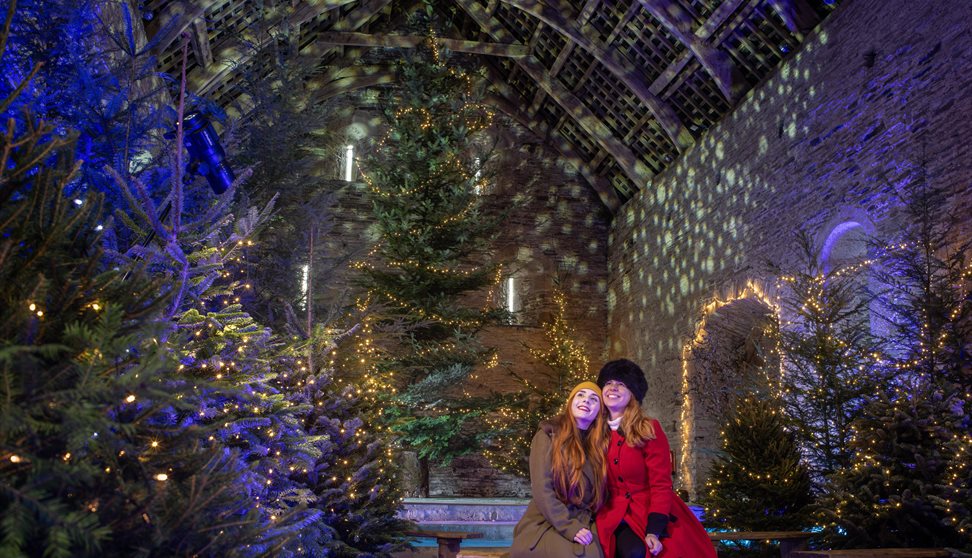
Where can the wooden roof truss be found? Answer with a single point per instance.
(619, 88)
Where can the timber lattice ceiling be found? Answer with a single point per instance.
(619, 88)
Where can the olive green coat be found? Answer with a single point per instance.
(548, 526)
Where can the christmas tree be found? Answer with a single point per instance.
(94, 462)
(758, 482)
(909, 484)
(427, 275)
(286, 136)
(828, 363)
(137, 418)
(356, 481)
(540, 398)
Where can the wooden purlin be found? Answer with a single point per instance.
(679, 23)
(511, 50)
(632, 77)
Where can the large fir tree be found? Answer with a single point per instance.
(427, 275)
(828, 363)
(909, 484)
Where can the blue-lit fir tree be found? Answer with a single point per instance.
(829, 367)
(910, 480)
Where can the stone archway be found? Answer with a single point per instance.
(733, 349)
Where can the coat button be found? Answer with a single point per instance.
(627, 495)
(619, 443)
(620, 479)
(615, 461)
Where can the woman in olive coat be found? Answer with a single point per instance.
(567, 476)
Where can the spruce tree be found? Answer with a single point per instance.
(287, 138)
(427, 275)
(909, 484)
(539, 398)
(354, 479)
(828, 363)
(758, 482)
(92, 462)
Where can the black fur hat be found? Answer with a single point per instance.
(626, 372)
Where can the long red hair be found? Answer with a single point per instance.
(636, 425)
(571, 450)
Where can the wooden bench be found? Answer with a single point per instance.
(449, 541)
(790, 541)
(874, 553)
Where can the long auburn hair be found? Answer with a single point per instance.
(636, 425)
(570, 451)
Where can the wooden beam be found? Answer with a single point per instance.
(174, 19)
(679, 23)
(347, 79)
(632, 77)
(601, 186)
(411, 41)
(637, 171)
(587, 12)
(199, 39)
(234, 53)
(705, 32)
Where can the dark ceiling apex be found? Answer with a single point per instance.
(619, 88)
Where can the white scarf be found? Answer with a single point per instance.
(615, 423)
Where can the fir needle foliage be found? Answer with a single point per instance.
(428, 274)
(759, 481)
(829, 364)
(910, 479)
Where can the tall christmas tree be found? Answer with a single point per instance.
(428, 274)
(94, 462)
(910, 480)
(538, 399)
(828, 357)
(758, 482)
(138, 419)
(287, 137)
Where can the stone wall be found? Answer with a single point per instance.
(875, 98)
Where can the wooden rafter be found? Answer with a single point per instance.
(705, 31)
(412, 41)
(174, 19)
(632, 77)
(634, 169)
(236, 53)
(199, 39)
(679, 23)
(344, 80)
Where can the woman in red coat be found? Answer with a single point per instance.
(642, 516)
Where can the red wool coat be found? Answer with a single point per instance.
(640, 483)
